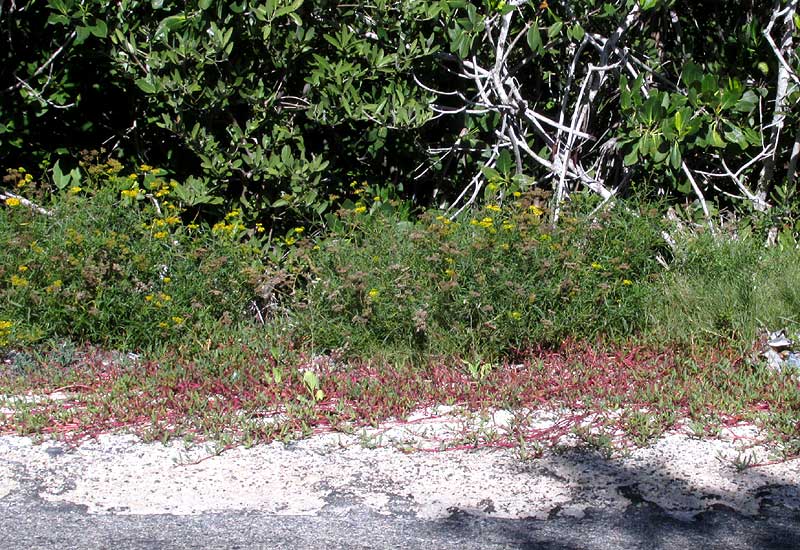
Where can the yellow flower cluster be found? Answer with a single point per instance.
(5, 330)
(26, 179)
(12, 201)
(54, 287)
(19, 282)
(160, 300)
(486, 223)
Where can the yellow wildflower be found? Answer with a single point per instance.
(130, 193)
(177, 320)
(55, 286)
(299, 230)
(12, 201)
(360, 209)
(450, 272)
(160, 234)
(493, 208)
(75, 190)
(535, 210)
(516, 315)
(22, 268)
(132, 176)
(148, 298)
(162, 324)
(259, 228)
(596, 265)
(18, 281)
(172, 220)
(486, 223)
(145, 168)
(627, 282)
(374, 293)
(167, 280)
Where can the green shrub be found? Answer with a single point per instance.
(115, 263)
(483, 285)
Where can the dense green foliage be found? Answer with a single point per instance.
(281, 104)
(500, 279)
(116, 261)
(115, 264)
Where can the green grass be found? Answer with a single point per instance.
(246, 340)
(718, 287)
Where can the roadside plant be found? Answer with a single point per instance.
(114, 261)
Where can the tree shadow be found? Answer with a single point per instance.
(771, 519)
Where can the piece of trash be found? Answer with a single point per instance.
(778, 340)
(781, 352)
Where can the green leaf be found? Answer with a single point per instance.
(534, 38)
(735, 135)
(647, 4)
(632, 157)
(577, 32)
(204, 4)
(675, 156)
(57, 18)
(490, 173)
(713, 138)
(146, 86)
(100, 29)
(60, 179)
(294, 6)
(691, 73)
(82, 34)
(679, 121)
(554, 29)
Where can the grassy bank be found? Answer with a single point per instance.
(220, 330)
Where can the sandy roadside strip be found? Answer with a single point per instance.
(374, 469)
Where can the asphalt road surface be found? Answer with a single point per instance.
(29, 522)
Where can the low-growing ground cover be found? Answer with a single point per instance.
(609, 396)
(220, 331)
